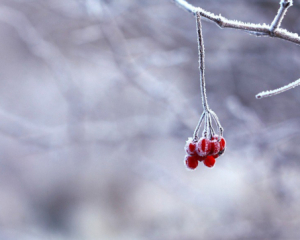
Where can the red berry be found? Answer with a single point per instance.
(191, 162)
(203, 147)
(190, 147)
(215, 147)
(222, 144)
(209, 161)
(216, 156)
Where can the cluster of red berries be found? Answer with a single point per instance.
(206, 150)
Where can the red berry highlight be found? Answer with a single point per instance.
(191, 162)
(209, 161)
(203, 147)
(190, 147)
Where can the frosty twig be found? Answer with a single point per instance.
(201, 62)
(207, 114)
(278, 90)
(259, 30)
(284, 5)
(255, 29)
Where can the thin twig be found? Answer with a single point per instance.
(284, 6)
(211, 129)
(278, 90)
(206, 126)
(196, 132)
(201, 51)
(217, 121)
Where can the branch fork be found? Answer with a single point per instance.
(208, 116)
(258, 30)
(284, 5)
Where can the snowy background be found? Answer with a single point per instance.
(97, 99)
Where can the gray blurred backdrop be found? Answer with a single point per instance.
(97, 99)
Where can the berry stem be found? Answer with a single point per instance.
(207, 114)
(212, 131)
(208, 130)
(216, 119)
(201, 51)
(207, 127)
(196, 132)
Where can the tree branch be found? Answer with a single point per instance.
(255, 29)
(259, 30)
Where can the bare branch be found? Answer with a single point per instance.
(185, 5)
(278, 90)
(255, 29)
(284, 5)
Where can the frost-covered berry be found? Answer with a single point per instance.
(215, 147)
(190, 147)
(191, 161)
(203, 147)
(222, 144)
(209, 161)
